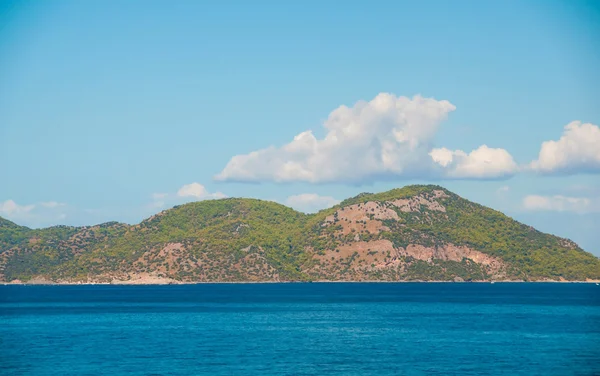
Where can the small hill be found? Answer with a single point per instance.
(5, 223)
(11, 234)
(421, 232)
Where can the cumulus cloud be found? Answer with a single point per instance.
(388, 137)
(9, 208)
(310, 202)
(198, 191)
(561, 204)
(187, 192)
(578, 150)
(483, 162)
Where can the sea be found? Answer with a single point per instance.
(301, 329)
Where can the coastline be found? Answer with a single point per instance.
(164, 283)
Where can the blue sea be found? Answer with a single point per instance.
(301, 329)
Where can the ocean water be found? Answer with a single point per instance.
(301, 329)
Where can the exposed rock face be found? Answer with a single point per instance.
(362, 259)
(144, 279)
(449, 252)
(380, 259)
(362, 217)
(414, 204)
(368, 216)
(174, 258)
(162, 262)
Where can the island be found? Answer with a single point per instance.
(414, 233)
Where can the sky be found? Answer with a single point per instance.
(115, 110)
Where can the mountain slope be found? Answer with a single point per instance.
(411, 233)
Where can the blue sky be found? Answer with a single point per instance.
(116, 110)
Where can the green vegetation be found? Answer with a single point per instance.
(11, 234)
(439, 270)
(247, 239)
(394, 194)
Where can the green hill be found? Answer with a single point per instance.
(411, 233)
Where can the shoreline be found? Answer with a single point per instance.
(165, 283)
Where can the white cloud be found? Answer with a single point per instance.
(310, 202)
(578, 150)
(503, 189)
(561, 204)
(156, 205)
(52, 204)
(193, 191)
(483, 162)
(198, 191)
(10, 208)
(158, 201)
(388, 137)
(33, 215)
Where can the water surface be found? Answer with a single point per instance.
(301, 329)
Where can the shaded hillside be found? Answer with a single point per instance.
(411, 233)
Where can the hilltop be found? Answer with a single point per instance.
(420, 232)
